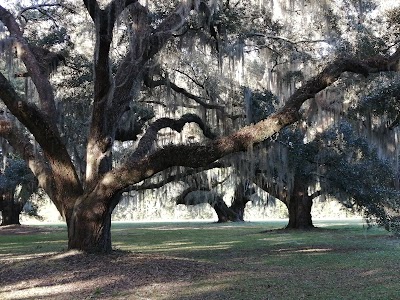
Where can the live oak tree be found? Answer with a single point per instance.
(87, 202)
(338, 163)
(309, 161)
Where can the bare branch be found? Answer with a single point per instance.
(39, 7)
(281, 38)
(149, 82)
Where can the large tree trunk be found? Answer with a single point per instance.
(89, 227)
(10, 209)
(299, 207)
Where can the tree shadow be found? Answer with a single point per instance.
(75, 275)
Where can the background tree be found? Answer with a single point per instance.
(17, 184)
(338, 161)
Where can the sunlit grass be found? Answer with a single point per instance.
(337, 261)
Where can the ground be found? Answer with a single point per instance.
(182, 261)
(74, 275)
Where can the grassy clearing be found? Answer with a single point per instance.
(234, 261)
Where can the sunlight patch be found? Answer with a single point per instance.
(66, 254)
(21, 291)
(22, 257)
(314, 250)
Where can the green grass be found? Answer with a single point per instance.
(337, 261)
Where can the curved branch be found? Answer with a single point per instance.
(39, 8)
(146, 142)
(174, 177)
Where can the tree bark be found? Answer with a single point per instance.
(89, 227)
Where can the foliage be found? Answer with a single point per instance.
(383, 100)
(263, 104)
(352, 167)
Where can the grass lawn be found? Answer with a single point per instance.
(178, 261)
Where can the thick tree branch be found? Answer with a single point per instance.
(146, 42)
(45, 134)
(100, 134)
(116, 7)
(93, 8)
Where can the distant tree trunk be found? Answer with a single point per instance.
(224, 212)
(10, 209)
(299, 207)
(241, 197)
(194, 197)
